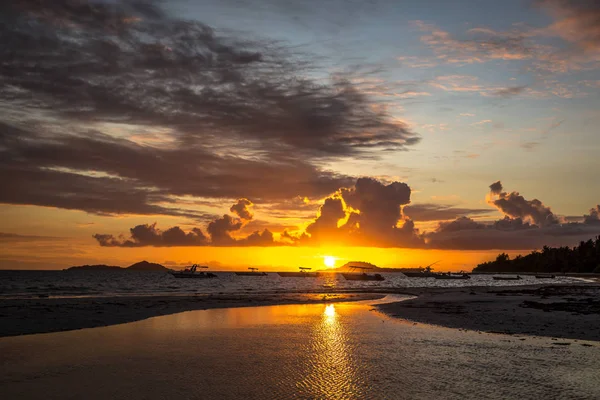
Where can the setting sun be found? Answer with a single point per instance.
(329, 261)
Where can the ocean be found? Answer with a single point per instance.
(62, 284)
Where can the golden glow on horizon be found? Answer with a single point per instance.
(59, 254)
(329, 261)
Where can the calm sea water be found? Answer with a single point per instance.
(32, 284)
(318, 351)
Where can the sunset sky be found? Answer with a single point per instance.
(273, 133)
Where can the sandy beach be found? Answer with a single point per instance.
(559, 311)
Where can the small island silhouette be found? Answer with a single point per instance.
(139, 266)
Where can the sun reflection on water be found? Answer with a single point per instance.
(333, 372)
(330, 313)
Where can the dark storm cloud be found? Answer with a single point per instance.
(326, 224)
(242, 209)
(257, 238)
(220, 230)
(516, 206)
(97, 195)
(121, 61)
(237, 116)
(496, 187)
(379, 204)
(53, 170)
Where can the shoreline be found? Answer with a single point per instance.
(556, 311)
(47, 315)
(570, 311)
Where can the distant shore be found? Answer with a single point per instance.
(558, 311)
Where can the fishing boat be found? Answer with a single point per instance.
(252, 272)
(193, 273)
(361, 276)
(303, 273)
(507, 278)
(460, 275)
(426, 272)
(545, 276)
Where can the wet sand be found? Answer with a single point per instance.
(30, 316)
(558, 311)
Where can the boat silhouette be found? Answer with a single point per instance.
(449, 275)
(252, 272)
(426, 272)
(193, 273)
(303, 273)
(353, 275)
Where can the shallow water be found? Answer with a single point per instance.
(334, 351)
(28, 284)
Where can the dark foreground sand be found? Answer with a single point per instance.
(28, 316)
(561, 311)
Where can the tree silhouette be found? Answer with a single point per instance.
(584, 258)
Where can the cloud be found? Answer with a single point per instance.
(242, 209)
(483, 45)
(577, 22)
(516, 206)
(459, 224)
(220, 229)
(264, 238)
(594, 216)
(437, 212)
(509, 91)
(512, 224)
(496, 187)
(220, 232)
(150, 235)
(527, 225)
(373, 213)
(16, 238)
(591, 83)
(122, 108)
(326, 223)
(472, 84)
(530, 146)
(367, 213)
